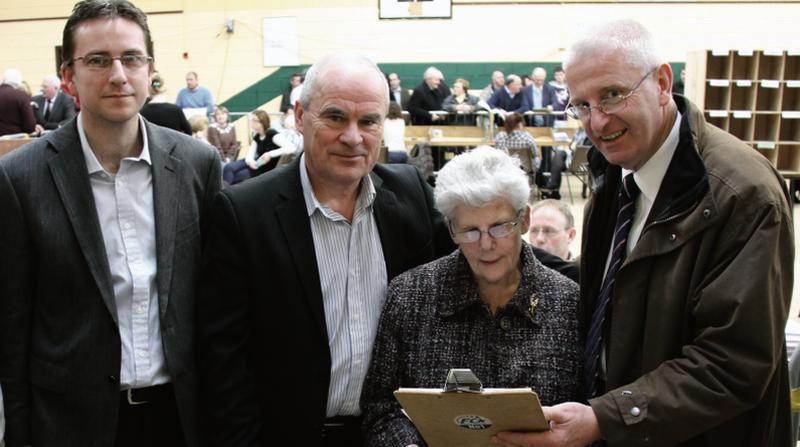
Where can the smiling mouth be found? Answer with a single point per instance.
(614, 135)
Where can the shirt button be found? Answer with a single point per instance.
(139, 309)
(113, 379)
(672, 237)
(635, 411)
(141, 354)
(127, 226)
(706, 212)
(505, 323)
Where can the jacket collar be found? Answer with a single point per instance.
(686, 179)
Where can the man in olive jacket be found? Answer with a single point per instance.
(692, 346)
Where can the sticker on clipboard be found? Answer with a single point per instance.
(472, 422)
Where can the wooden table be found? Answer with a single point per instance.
(7, 146)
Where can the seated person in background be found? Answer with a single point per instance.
(158, 111)
(53, 107)
(394, 134)
(294, 80)
(509, 98)
(517, 142)
(16, 113)
(222, 135)
(552, 228)
(560, 86)
(498, 81)
(199, 125)
(461, 101)
(427, 96)
(490, 306)
(262, 156)
(540, 96)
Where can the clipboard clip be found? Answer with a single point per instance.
(462, 380)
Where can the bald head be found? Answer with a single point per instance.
(362, 69)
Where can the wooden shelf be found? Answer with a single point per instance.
(754, 95)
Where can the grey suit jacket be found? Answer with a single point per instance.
(62, 110)
(59, 342)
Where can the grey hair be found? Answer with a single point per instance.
(432, 72)
(539, 70)
(344, 59)
(12, 77)
(558, 205)
(513, 78)
(52, 80)
(479, 177)
(625, 35)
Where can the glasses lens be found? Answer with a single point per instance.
(467, 237)
(615, 104)
(97, 61)
(502, 230)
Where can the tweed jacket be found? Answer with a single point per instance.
(435, 320)
(695, 339)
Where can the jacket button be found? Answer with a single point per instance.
(113, 379)
(672, 237)
(505, 323)
(706, 212)
(635, 411)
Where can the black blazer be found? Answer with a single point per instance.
(262, 341)
(166, 115)
(423, 100)
(62, 110)
(60, 348)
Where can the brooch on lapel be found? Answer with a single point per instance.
(534, 304)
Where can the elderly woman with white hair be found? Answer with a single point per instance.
(490, 306)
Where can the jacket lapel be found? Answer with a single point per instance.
(296, 228)
(166, 175)
(385, 208)
(71, 178)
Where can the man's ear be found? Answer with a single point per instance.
(298, 117)
(67, 75)
(664, 72)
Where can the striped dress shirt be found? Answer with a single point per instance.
(353, 281)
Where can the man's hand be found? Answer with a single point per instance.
(38, 130)
(571, 425)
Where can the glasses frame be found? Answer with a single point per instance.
(461, 237)
(138, 58)
(585, 112)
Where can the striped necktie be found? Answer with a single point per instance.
(594, 338)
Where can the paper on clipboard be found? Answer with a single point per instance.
(447, 419)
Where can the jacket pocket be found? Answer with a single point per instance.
(48, 376)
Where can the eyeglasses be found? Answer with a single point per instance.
(547, 232)
(104, 61)
(496, 232)
(609, 105)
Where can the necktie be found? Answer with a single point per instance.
(594, 338)
(46, 109)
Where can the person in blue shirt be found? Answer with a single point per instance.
(195, 95)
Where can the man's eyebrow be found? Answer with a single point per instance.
(371, 116)
(332, 110)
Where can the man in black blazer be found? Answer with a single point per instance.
(99, 252)
(296, 268)
(53, 107)
(427, 96)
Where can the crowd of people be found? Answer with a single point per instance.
(142, 303)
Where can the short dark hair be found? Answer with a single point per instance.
(395, 111)
(512, 121)
(86, 10)
(559, 68)
(263, 118)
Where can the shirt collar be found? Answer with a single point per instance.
(366, 193)
(651, 174)
(92, 164)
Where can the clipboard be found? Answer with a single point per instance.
(468, 418)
